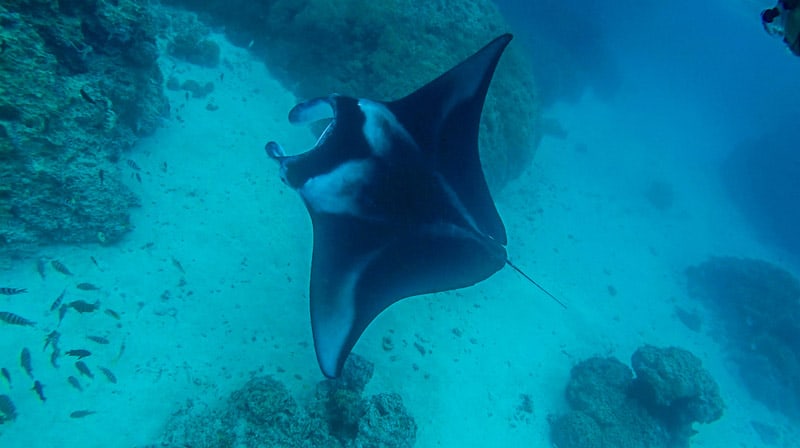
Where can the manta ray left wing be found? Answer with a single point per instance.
(397, 199)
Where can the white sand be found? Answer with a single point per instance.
(578, 222)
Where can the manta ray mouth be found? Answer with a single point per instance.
(304, 113)
(315, 110)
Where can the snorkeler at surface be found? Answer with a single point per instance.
(783, 20)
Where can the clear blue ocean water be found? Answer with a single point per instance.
(661, 206)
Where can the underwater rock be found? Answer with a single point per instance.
(386, 423)
(576, 430)
(191, 42)
(338, 401)
(598, 387)
(380, 420)
(356, 374)
(80, 85)
(195, 49)
(362, 48)
(263, 413)
(673, 385)
(197, 90)
(265, 401)
(758, 306)
(610, 408)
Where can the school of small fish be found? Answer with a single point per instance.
(52, 338)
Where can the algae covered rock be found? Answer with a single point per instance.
(656, 409)
(598, 387)
(576, 430)
(265, 401)
(192, 43)
(263, 413)
(78, 84)
(386, 423)
(672, 382)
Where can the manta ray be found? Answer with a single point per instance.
(398, 201)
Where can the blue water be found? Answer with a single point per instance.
(680, 145)
(706, 71)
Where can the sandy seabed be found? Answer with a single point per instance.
(211, 286)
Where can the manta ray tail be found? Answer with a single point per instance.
(522, 273)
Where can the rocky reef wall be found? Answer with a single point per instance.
(79, 84)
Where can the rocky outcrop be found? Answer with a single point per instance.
(79, 84)
(610, 408)
(263, 413)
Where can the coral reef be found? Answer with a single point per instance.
(611, 408)
(191, 42)
(758, 306)
(79, 84)
(674, 387)
(386, 50)
(263, 413)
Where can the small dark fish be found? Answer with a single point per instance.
(3, 46)
(74, 382)
(164, 166)
(40, 267)
(221, 77)
(178, 265)
(25, 361)
(98, 339)
(12, 291)
(121, 351)
(112, 313)
(133, 165)
(54, 357)
(79, 353)
(51, 338)
(138, 177)
(87, 287)
(59, 299)
(109, 375)
(39, 388)
(62, 311)
(102, 175)
(84, 369)
(82, 306)
(59, 266)
(13, 319)
(94, 260)
(86, 97)
(82, 413)
(7, 409)
(6, 375)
